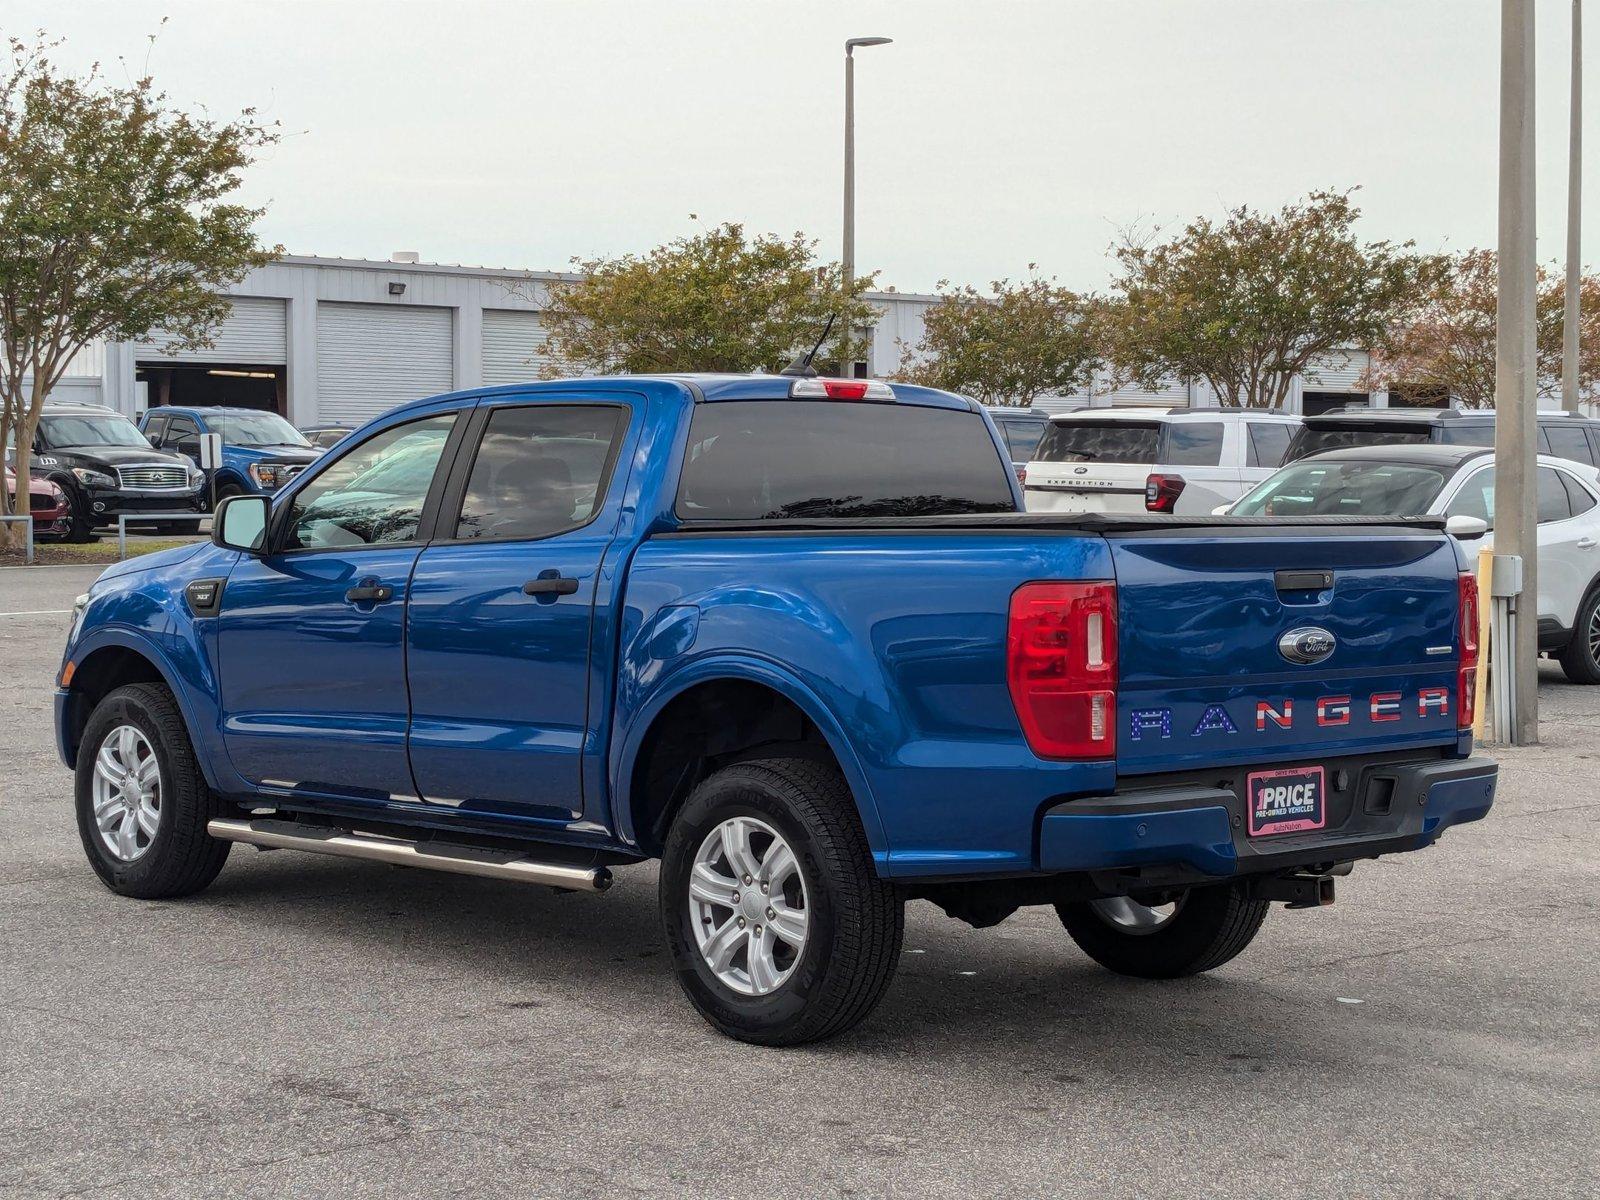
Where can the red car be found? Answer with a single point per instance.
(52, 517)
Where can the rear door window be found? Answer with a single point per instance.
(1568, 441)
(540, 470)
(1191, 444)
(1554, 504)
(775, 459)
(1022, 437)
(1100, 442)
(1269, 441)
(1577, 495)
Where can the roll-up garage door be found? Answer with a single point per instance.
(252, 333)
(1340, 371)
(1170, 394)
(371, 357)
(514, 346)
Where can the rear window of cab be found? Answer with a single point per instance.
(1142, 443)
(754, 460)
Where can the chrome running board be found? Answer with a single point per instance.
(428, 856)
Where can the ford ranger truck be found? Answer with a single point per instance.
(794, 638)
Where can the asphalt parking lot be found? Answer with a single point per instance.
(323, 1028)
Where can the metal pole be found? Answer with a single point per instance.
(1570, 327)
(1516, 431)
(848, 262)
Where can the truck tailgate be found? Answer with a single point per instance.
(1367, 616)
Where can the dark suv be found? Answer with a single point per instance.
(1560, 434)
(105, 465)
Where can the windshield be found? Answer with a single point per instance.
(1314, 440)
(109, 430)
(770, 459)
(257, 429)
(1347, 488)
(1100, 441)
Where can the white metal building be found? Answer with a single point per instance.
(327, 340)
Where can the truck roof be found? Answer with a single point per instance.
(1145, 413)
(705, 388)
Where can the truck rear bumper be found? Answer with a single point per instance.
(1199, 829)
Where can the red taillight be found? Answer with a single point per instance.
(1061, 665)
(1022, 474)
(838, 389)
(1161, 493)
(1467, 676)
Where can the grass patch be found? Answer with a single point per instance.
(103, 552)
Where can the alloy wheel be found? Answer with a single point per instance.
(127, 793)
(747, 906)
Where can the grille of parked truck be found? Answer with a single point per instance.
(795, 638)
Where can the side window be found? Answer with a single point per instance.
(180, 429)
(1192, 444)
(1269, 440)
(1476, 498)
(1553, 502)
(1568, 441)
(374, 495)
(540, 470)
(155, 430)
(1577, 495)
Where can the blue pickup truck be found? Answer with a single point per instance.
(260, 450)
(795, 638)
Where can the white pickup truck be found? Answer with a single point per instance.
(1151, 460)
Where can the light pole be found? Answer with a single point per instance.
(1569, 335)
(1516, 427)
(847, 271)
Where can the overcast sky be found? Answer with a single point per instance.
(990, 135)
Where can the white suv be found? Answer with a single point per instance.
(1185, 461)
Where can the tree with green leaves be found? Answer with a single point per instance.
(1018, 342)
(716, 301)
(1447, 348)
(114, 222)
(1247, 303)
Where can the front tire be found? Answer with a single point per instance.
(1198, 930)
(141, 799)
(80, 529)
(781, 930)
(1580, 658)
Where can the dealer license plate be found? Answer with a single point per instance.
(1287, 801)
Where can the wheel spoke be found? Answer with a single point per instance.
(149, 819)
(709, 886)
(787, 923)
(779, 865)
(127, 839)
(128, 747)
(723, 945)
(107, 766)
(736, 846)
(764, 971)
(108, 813)
(148, 773)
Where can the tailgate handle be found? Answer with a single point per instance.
(1303, 581)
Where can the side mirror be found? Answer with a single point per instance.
(1461, 526)
(240, 523)
(189, 446)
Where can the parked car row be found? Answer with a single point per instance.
(91, 464)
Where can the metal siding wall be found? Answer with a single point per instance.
(1171, 394)
(254, 332)
(513, 346)
(1337, 372)
(371, 357)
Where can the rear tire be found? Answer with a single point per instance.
(1209, 926)
(165, 851)
(1580, 657)
(851, 921)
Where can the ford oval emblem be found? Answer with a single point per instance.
(1080, 470)
(1307, 644)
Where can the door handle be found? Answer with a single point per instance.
(1587, 543)
(370, 593)
(550, 583)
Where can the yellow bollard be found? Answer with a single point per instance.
(1480, 694)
